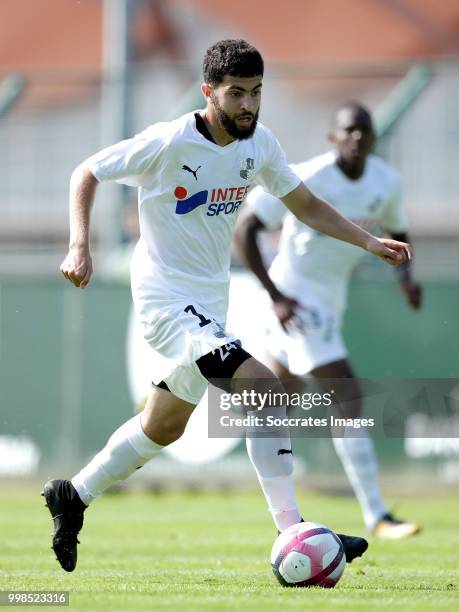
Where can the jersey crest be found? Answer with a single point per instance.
(247, 168)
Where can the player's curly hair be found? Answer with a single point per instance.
(233, 57)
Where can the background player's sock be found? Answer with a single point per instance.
(359, 461)
(128, 449)
(275, 473)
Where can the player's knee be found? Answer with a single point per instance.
(170, 432)
(253, 374)
(164, 427)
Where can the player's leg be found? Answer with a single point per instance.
(273, 460)
(271, 456)
(357, 455)
(162, 421)
(237, 371)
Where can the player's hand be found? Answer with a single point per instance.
(77, 267)
(285, 308)
(412, 292)
(391, 251)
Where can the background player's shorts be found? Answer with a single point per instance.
(180, 332)
(313, 339)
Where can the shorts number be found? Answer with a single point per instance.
(225, 347)
(202, 319)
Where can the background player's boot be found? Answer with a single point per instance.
(353, 546)
(390, 528)
(67, 509)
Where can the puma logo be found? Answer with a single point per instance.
(284, 451)
(193, 172)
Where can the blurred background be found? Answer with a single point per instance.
(79, 75)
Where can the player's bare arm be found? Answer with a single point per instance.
(77, 266)
(246, 242)
(324, 218)
(408, 286)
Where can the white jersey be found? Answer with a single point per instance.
(310, 263)
(190, 193)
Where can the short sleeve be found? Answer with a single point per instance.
(132, 162)
(394, 218)
(275, 175)
(269, 209)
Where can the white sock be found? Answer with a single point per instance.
(127, 449)
(275, 474)
(359, 461)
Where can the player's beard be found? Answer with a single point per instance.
(230, 126)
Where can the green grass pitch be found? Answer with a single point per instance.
(210, 551)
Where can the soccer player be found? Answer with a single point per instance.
(309, 277)
(192, 174)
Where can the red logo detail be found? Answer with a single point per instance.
(180, 193)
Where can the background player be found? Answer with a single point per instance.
(193, 174)
(308, 282)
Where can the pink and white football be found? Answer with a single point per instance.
(308, 554)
